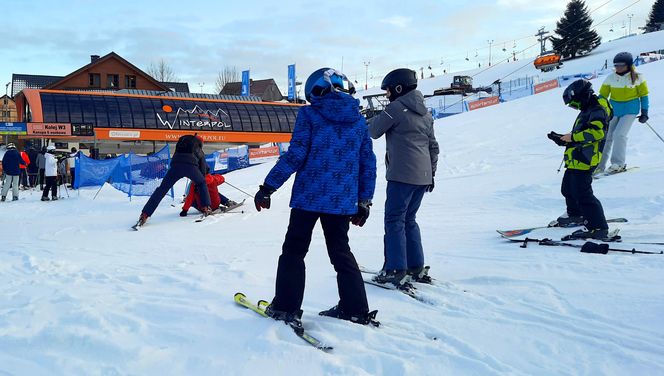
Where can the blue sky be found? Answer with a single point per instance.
(199, 38)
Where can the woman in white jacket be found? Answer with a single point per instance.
(50, 174)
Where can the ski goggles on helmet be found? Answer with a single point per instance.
(337, 81)
(574, 104)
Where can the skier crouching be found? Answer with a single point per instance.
(332, 156)
(583, 151)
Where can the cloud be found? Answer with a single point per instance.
(398, 21)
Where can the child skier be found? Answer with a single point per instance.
(583, 151)
(217, 200)
(331, 154)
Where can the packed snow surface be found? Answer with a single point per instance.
(82, 294)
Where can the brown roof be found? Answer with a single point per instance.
(256, 87)
(109, 56)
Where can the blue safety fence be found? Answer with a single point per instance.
(132, 174)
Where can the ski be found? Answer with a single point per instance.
(407, 289)
(588, 247)
(605, 174)
(375, 272)
(137, 226)
(220, 211)
(524, 231)
(259, 308)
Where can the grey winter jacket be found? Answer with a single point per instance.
(412, 149)
(41, 161)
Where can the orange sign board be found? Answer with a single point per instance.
(49, 129)
(261, 155)
(545, 86)
(486, 102)
(174, 135)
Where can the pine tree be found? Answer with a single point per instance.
(575, 37)
(656, 18)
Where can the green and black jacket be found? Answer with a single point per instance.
(590, 127)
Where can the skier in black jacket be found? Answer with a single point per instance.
(188, 161)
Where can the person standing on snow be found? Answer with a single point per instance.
(188, 161)
(217, 200)
(411, 160)
(628, 94)
(331, 154)
(41, 163)
(50, 174)
(583, 151)
(11, 166)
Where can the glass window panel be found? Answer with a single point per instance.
(75, 111)
(101, 110)
(125, 112)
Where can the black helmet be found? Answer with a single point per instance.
(578, 93)
(399, 81)
(324, 80)
(624, 58)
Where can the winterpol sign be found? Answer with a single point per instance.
(486, 102)
(206, 118)
(545, 86)
(49, 129)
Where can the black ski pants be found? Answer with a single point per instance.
(51, 185)
(578, 191)
(176, 172)
(291, 269)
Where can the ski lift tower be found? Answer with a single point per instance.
(541, 34)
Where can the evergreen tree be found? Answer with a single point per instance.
(575, 37)
(656, 18)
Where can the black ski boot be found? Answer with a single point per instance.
(396, 278)
(294, 319)
(14, 198)
(45, 198)
(420, 275)
(3, 198)
(570, 221)
(363, 319)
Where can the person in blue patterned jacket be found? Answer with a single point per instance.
(332, 156)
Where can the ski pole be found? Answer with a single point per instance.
(654, 131)
(239, 189)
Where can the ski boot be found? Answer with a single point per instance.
(294, 319)
(566, 220)
(614, 169)
(362, 319)
(3, 198)
(420, 275)
(396, 278)
(142, 219)
(45, 198)
(14, 198)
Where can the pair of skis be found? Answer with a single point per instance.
(523, 231)
(408, 288)
(259, 308)
(218, 211)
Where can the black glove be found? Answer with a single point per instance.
(431, 186)
(555, 137)
(262, 198)
(183, 213)
(360, 218)
(644, 116)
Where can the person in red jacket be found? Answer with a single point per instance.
(217, 200)
(24, 169)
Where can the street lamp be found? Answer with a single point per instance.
(490, 43)
(366, 75)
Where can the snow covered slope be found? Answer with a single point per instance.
(81, 294)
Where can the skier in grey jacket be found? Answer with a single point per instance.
(411, 159)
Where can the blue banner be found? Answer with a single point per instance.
(245, 84)
(14, 128)
(291, 82)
